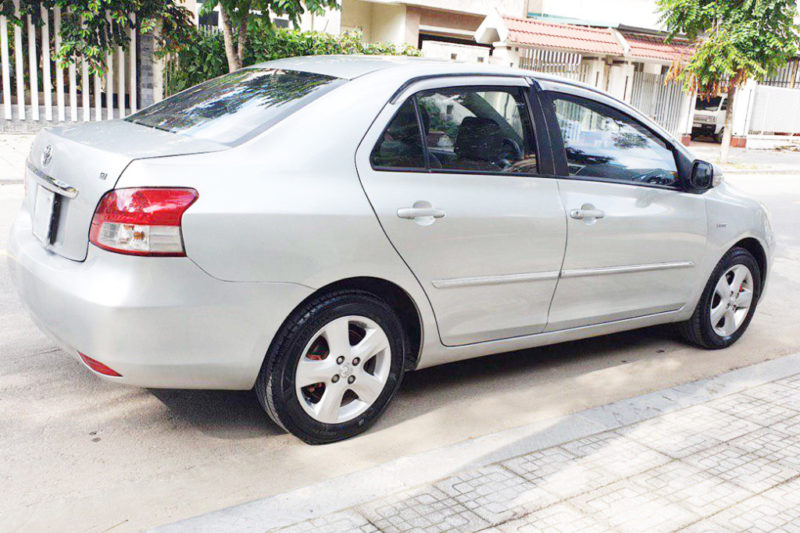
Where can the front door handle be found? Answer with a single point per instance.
(581, 214)
(419, 212)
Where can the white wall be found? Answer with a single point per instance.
(462, 52)
(388, 23)
(330, 22)
(357, 15)
(377, 21)
(641, 13)
(511, 8)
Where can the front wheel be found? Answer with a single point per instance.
(728, 302)
(334, 367)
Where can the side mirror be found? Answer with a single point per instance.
(702, 177)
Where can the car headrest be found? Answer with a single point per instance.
(479, 139)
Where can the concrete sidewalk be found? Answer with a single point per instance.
(721, 454)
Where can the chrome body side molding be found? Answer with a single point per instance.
(494, 280)
(584, 272)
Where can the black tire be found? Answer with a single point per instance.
(698, 329)
(275, 386)
(718, 136)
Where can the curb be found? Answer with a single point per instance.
(404, 473)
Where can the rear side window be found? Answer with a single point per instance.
(400, 145)
(601, 142)
(234, 107)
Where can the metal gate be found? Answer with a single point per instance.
(659, 99)
(564, 64)
(31, 51)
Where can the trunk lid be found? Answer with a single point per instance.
(81, 163)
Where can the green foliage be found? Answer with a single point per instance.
(204, 57)
(236, 15)
(737, 39)
(91, 28)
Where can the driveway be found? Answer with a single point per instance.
(80, 454)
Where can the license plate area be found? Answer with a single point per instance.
(45, 215)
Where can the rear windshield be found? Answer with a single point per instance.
(234, 107)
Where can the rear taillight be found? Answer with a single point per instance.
(141, 221)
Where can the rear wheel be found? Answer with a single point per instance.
(728, 302)
(334, 367)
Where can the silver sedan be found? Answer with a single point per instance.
(312, 228)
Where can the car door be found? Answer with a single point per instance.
(635, 239)
(468, 208)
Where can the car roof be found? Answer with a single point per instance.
(355, 66)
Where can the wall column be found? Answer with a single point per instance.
(505, 55)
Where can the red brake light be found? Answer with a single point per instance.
(98, 367)
(144, 221)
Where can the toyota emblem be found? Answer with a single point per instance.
(47, 154)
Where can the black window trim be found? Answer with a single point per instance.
(560, 154)
(534, 124)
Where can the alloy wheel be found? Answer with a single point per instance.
(343, 369)
(731, 301)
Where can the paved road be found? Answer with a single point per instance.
(83, 455)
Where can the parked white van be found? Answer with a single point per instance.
(709, 117)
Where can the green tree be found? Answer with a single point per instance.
(736, 40)
(236, 15)
(203, 58)
(92, 28)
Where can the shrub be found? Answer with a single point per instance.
(203, 57)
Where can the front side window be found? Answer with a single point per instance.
(478, 129)
(235, 106)
(601, 142)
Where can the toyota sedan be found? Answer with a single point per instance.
(313, 228)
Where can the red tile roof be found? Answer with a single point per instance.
(654, 48)
(535, 33)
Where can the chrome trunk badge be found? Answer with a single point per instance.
(47, 154)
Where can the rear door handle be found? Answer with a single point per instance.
(419, 212)
(580, 214)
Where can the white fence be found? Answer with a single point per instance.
(659, 99)
(35, 87)
(774, 111)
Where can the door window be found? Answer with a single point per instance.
(478, 129)
(601, 142)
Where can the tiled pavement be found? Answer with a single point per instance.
(728, 464)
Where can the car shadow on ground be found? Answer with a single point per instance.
(223, 414)
(238, 415)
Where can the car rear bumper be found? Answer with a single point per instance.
(159, 322)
